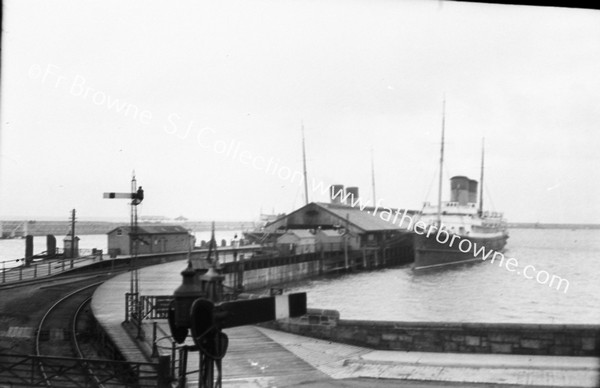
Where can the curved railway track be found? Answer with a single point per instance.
(57, 337)
(66, 357)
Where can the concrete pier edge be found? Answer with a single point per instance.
(371, 357)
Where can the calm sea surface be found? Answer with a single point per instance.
(11, 250)
(476, 293)
(481, 292)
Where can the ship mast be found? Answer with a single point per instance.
(481, 177)
(304, 167)
(439, 207)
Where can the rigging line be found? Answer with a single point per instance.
(296, 197)
(435, 174)
(489, 197)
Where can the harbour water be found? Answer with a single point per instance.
(481, 292)
(12, 250)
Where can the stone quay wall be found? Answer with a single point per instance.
(499, 338)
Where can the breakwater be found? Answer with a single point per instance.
(60, 228)
(503, 338)
(57, 228)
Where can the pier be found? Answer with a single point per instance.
(321, 348)
(260, 356)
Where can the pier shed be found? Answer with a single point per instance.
(296, 242)
(152, 239)
(366, 228)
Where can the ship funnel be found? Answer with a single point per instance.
(337, 194)
(459, 189)
(472, 191)
(351, 195)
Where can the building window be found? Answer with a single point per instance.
(119, 232)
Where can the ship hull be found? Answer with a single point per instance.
(431, 254)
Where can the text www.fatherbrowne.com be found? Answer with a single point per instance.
(442, 236)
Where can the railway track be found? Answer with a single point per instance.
(65, 353)
(57, 344)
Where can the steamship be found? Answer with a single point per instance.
(448, 224)
(460, 217)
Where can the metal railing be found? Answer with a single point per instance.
(155, 306)
(45, 268)
(140, 307)
(21, 371)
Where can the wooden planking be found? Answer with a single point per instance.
(108, 306)
(252, 357)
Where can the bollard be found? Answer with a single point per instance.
(28, 250)
(50, 246)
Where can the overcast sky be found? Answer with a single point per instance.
(205, 100)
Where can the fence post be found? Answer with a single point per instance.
(32, 369)
(139, 325)
(181, 379)
(154, 346)
(164, 377)
(21, 273)
(63, 265)
(3, 272)
(35, 271)
(173, 357)
(49, 269)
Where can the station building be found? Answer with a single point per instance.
(152, 239)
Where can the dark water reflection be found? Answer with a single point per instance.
(478, 293)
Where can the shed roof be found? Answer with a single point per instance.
(367, 220)
(154, 229)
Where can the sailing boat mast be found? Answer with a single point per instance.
(481, 177)
(439, 207)
(304, 167)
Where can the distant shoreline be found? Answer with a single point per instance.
(539, 225)
(61, 228)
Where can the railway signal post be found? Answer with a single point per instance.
(136, 196)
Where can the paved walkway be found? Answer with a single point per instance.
(259, 357)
